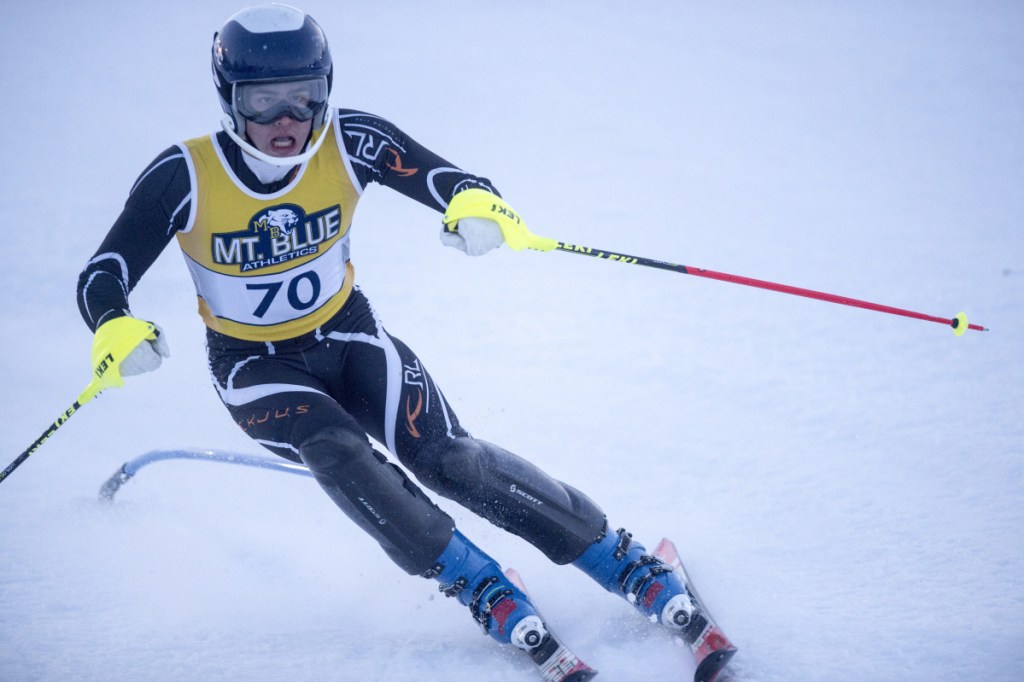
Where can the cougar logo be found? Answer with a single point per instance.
(283, 219)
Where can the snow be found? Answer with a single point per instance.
(846, 487)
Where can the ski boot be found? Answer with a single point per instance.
(657, 585)
(623, 566)
(500, 605)
(475, 579)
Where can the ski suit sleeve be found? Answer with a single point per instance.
(156, 208)
(380, 152)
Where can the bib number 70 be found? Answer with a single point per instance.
(298, 300)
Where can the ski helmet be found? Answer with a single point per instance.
(270, 43)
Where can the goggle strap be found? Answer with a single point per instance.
(227, 123)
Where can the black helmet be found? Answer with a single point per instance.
(270, 43)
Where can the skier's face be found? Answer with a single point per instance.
(283, 137)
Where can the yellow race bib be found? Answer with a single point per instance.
(269, 267)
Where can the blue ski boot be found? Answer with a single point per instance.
(624, 567)
(476, 580)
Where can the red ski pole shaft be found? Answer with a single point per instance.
(958, 322)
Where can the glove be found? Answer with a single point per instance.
(125, 346)
(148, 355)
(479, 204)
(474, 236)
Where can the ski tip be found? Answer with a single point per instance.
(667, 552)
(713, 664)
(517, 580)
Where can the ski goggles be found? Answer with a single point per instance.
(266, 101)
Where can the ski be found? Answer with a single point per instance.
(553, 659)
(711, 649)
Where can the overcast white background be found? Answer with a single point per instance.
(845, 486)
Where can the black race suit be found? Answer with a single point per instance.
(315, 398)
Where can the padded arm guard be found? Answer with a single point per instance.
(478, 203)
(113, 342)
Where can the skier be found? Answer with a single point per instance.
(262, 211)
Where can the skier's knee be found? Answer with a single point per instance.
(332, 446)
(378, 496)
(464, 459)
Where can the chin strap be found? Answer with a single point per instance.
(227, 123)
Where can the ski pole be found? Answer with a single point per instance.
(61, 420)
(112, 344)
(958, 322)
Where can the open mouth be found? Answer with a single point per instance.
(283, 142)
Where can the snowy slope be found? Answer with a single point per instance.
(846, 487)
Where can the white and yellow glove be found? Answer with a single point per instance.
(148, 355)
(477, 221)
(128, 346)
